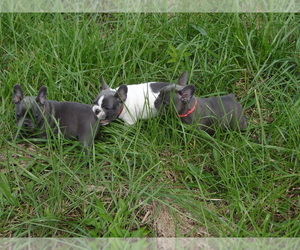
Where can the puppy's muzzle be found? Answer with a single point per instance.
(26, 124)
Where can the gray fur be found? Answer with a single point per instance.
(210, 113)
(76, 120)
(156, 87)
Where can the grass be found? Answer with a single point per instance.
(158, 177)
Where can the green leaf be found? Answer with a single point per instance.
(200, 30)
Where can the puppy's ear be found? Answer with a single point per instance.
(104, 85)
(18, 94)
(182, 81)
(41, 97)
(187, 93)
(122, 93)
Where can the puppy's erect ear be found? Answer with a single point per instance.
(187, 93)
(122, 93)
(182, 81)
(104, 85)
(18, 94)
(41, 97)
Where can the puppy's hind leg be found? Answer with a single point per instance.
(243, 123)
(86, 139)
(86, 142)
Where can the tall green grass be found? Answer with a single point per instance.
(158, 177)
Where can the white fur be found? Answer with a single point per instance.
(101, 114)
(139, 103)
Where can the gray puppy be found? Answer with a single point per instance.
(75, 120)
(210, 113)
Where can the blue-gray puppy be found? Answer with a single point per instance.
(74, 120)
(210, 113)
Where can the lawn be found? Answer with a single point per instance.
(157, 178)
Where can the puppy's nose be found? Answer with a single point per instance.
(97, 111)
(26, 124)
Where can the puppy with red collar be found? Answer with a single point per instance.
(210, 113)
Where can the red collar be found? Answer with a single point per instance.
(121, 110)
(189, 111)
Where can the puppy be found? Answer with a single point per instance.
(128, 102)
(75, 120)
(209, 113)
